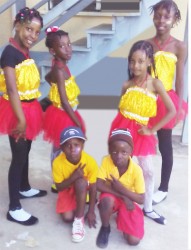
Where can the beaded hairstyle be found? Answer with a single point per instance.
(168, 5)
(148, 49)
(52, 33)
(26, 15)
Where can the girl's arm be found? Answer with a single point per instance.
(12, 92)
(124, 87)
(171, 111)
(60, 79)
(179, 81)
(48, 77)
(181, 58)
(160, 90)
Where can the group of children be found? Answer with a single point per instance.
(148, 104)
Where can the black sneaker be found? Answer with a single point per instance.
(103, 236)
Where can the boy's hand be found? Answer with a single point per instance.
(129, 203)
(116, 184)
(91, 218)
(78, 173)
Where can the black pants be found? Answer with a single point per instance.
(18, 171)
(166, 150)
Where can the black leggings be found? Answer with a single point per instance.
(18, 171)
(166, 150)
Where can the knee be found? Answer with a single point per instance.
(81, 185)
(148, 174)
(132, 240)
(68, 217)
(106, 204)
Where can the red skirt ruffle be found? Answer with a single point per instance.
(143, 144)
(161, 111)
(33, 115)
(55, 121)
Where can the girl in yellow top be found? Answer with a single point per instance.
(20, 112)
(64, 91)
(169, 56)
(137, 105)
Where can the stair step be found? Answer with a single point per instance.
(80, 45)
(102, 29)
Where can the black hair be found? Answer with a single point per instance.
(26, 15)
(168, 5)
(148, 49)
(51, 36)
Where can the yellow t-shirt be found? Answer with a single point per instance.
(62, 168)
(132, 179)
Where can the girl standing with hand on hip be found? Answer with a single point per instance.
(20, 112)
(137, 105)
(170, 55)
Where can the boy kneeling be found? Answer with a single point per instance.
(121, 183)
(75, 172)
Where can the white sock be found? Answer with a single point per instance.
(20, 214)
(30, 192)
(159, 196)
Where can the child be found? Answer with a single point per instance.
(137, 105)
(170, 55)
(74, 172)
(121, 183)
(20, 113)
(64, 90)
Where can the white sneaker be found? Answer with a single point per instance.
(159, 196)
(78, 231)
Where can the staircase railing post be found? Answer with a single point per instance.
(20, 4)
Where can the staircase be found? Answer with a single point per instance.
(101, 40)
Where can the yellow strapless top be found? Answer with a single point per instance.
(138, 104)
(165, 63)
(72, 92)
(27, 80)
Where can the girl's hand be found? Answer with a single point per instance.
(145, 131)
(20, 130)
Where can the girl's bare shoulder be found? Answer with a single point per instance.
(179, 46)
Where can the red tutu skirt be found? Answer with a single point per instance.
(55, 121)
(33, 115)
(143, 144)
(161, 111)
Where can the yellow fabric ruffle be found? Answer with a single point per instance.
(165, 64)
(72, 92)
(138, 104)
(27, 80)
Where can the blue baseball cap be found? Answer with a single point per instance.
(71, 132)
